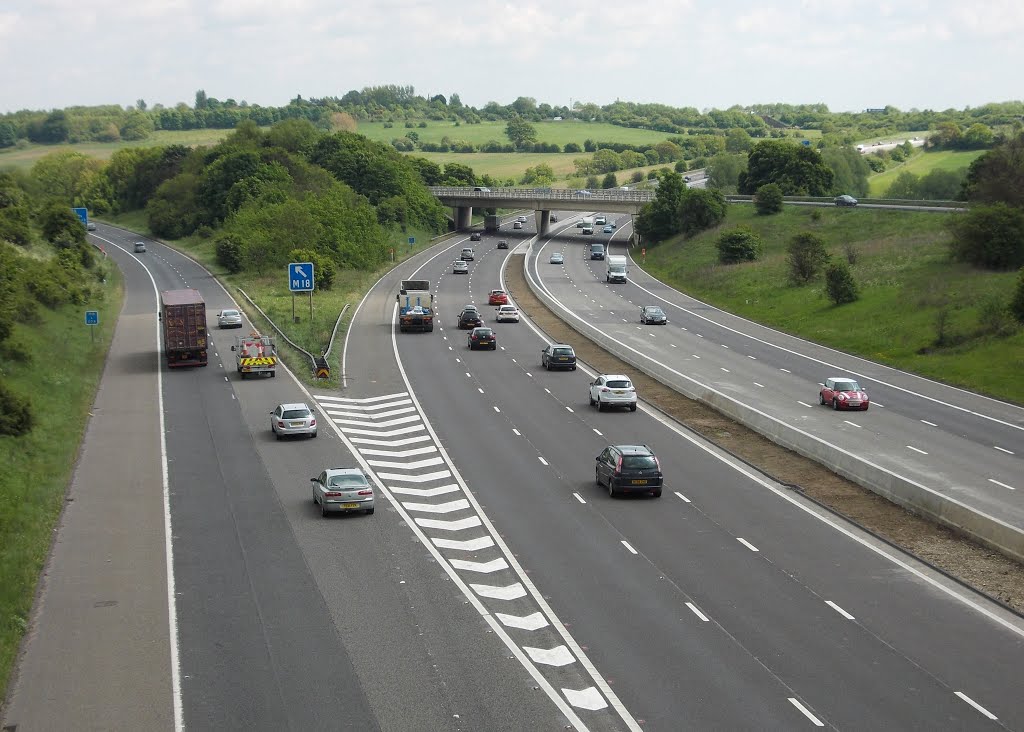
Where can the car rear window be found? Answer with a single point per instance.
(295, 413)
(483, 331)
(340, 481)
(638, 462)
(562, 351)
(618, 384)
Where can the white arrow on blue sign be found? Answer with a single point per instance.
(92, 317)
(300, 276)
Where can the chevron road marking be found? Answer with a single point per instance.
(414, 465)
(484, 567)
(459, 505)
(364, 415)
(389, 443)
(589, 698)
(399, 453)
(453, 525)
(529, 622)
(366, 400)
(384, 433)
(416, 478)
(425, 492)
(467, 545)
(369, 408)
(385, 423)
(557, 656)
(510, 592)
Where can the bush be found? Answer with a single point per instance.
(807, 255)
(989, 236)
(15, 349)
(700, 209)
(15, 413)
(839, 283)
(768, 199)
(1017, 302)
(609, 181)
(637, 176)
(994, 317)
(229, 255)
(739, 245)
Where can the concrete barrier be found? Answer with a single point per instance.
(915, 497)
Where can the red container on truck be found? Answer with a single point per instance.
(183, 313)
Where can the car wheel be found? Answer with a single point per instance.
(821, 398)
(612, 493)
(656, 492)
(277, 436)
(369, 512)
(494, 347)
(315, 502)
(632, 407)
(600, 405)
(273, 374)
(835, 404)
(865, 407)
(312, 436)
(597, 478)
(573, 368)
(323, 509)
(591, 398)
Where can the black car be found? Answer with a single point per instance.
(629, 469)
(597, 251)
(475, 236)
(502, 244)
(652, 315)
(553, 218)
(469, 319)
(482, 338)
(845, 200)
(558, 356)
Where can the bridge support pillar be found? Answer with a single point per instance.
(463, 217)
(543, 221)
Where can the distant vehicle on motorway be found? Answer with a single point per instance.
(290, 420)
(517, 224)
(553, 217)
(140, 247)
(609, 229)
(339, 490)
(507, 314)
(521, 218)
(467, 254)
(470, 319)
(843, 393)
(475, 236)
(845, 200)
(90, 226)
(482, 189)
(482, 338)
(612, 390)
(652, 315)
(460, 266)
(229, 318)
(502, 244)
(556, 258)
(497, 297)
(584, 193)
(558, 356)
(629, 469)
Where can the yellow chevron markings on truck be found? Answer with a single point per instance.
(264, 361)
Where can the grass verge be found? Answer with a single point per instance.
(61, 376)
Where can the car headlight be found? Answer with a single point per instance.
(842, 397)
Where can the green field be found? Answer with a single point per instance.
(61, 375)
(920, 164)
(905, 277)
(558, 133)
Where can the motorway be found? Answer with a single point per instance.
(496, 587)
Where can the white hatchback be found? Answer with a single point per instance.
(612, 390)
(507, 314)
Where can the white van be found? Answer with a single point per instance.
(600, 221)
(615, 268)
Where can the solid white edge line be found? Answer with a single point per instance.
(839, 610)
(629, 548)
(806, 712)
(975, 704)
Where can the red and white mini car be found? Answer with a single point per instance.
(842, 393)
(497, 297)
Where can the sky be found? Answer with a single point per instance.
(849, 55)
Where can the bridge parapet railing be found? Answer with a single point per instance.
(551, 194)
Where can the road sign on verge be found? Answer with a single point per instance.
(92, 317)
(82, 214)
(412, 240)
(300, 276)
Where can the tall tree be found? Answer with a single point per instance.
(797, 169)
(998, 175)
(659, 219)
(520, 132)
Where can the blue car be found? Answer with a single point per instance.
(608, 229)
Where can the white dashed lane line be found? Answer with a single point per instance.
(1003, 449)
(747, 544)
(839, 610)
(1001, 485)
(915, 449)
(696, 611)
(975, 704)
(806, 712)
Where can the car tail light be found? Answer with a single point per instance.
(618, 465)
(312, 423)
(657, 463)
(365, 493)
(332, 494)
(605, 390)
(280, 423)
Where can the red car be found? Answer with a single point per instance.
(497, 297)
(843, 393)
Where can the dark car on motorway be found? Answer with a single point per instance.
(629, 469)
(652, 315)
(469, 319)
(843, 393)
(475, 236)
(845, 200)
(558, 356)
(502, 244)
(597, 251)
(482, 338)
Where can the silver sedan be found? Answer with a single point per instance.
(229, 319)
(290, 420)
(342, 490)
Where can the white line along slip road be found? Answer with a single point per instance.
(396, 445)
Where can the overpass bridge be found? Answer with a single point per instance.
(542, 200)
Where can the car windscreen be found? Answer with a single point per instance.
(638, 462)
(618, 384)
(847, 386)
(295, 414)
(343, 481)
(654, 311)
(562, 351)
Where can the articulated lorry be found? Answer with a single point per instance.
(183, 315)
(255, 354)
(415, 306)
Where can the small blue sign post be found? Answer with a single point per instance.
(82, 214)
(300, 279)
(92, 317)
(412, 240)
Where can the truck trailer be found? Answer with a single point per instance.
(415, 306)
(183, 314)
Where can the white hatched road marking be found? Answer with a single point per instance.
(425, 492)
(400, 453)
(384, 433)
(483, 567)
(390, 443)
(453, 525)
(509, 592)
(450, 507)
(536, 621)
(426, 477)
(696, 611)
(366, 400)
(365, 415)
(557, 656)
(465, 545)
(414, 465)
(385, 423)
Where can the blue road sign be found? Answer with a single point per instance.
(82, 214)
(300, 276)
(412, 240)
(92, 317)
(806, 142)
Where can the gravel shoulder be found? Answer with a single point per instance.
(985, 570)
